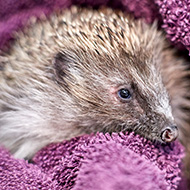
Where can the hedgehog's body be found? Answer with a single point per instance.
(83, 71)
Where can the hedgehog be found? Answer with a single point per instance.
(82, 71)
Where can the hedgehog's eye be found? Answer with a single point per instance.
(124, 94)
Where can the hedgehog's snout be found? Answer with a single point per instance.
(169, 134)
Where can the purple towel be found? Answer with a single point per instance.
(97, 162)
(176, 20)
(100, 162)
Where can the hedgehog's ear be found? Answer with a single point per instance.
(60, 64)
(64, 66)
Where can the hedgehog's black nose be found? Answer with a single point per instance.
(169, 134)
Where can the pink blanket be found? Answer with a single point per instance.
(100, 162)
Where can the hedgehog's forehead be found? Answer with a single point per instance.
(123, 41)
(122, 44)
(104, 39)
(102, 32)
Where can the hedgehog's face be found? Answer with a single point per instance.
(142, 98)
(147, 114)
(117, 98)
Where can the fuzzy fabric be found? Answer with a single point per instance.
(176, 20)
(96, 162)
